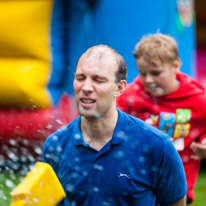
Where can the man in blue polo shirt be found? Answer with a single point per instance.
(106, 157)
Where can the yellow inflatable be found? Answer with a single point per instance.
(25, 53)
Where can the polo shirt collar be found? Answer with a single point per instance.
(118, 135)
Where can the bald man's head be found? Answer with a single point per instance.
(104, 53)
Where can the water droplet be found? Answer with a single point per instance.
(98, 167)
(38, 150)
(35, 199)
(12, 142)
(69, 187)
(143, 171)
(59, 149)
(95, 189)
(9, 183)
(59, 121)
(49, 126)
(12, 156)
(119, 154)
(77, 136)
(141, 159)
(54, 137)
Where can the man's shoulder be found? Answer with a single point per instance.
(148, 137)
(64, 133)
(136, 126)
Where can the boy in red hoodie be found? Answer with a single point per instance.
(169, 100)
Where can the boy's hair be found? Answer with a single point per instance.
(157, 49)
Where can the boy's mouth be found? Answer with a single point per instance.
(155, 88)
(152, 86)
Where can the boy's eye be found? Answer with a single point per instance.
(156, 73)
(142, 74)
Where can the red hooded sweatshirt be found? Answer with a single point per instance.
(182, 115)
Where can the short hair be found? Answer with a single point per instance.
(101, 51)
(157, 49)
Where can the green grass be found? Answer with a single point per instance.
(200, 189)
(8, 182)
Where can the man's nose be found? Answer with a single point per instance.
(87, 85)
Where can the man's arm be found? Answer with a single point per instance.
(182, 202)
(171, 185)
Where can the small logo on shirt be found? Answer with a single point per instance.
(123, 175)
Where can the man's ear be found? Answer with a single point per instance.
(121, 86)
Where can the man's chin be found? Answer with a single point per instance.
(90, 117)
(88, 114)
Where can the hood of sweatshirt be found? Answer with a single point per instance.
(188, 87)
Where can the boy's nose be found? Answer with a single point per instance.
(148, 78)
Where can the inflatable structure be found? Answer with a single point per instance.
(33, 100)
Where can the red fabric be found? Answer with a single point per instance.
(36, 124)
(189, 97)
(201, 65)
(31, 124)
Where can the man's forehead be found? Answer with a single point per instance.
(96, 61)
(92, 67)
(100, 52)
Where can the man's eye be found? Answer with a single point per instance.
(99, 80)
(79, 78)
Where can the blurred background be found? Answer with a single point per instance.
(40, 43)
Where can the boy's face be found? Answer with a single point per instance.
(158, 80)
